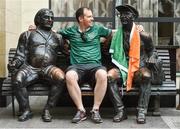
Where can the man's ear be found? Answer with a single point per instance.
(81, 18)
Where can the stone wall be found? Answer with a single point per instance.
(16, 16)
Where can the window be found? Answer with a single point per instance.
(159, 17)
(64, 11)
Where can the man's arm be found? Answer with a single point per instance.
(64, 45)
(140, 28)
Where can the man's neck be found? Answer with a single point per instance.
(82, 28)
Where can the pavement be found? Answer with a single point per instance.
(169, 119)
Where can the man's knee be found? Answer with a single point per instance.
(71, 75)
(101, 75)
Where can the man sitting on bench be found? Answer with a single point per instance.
(35, 59)
(130, 50)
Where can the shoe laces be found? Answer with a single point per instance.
(95, 114)
(80, 113)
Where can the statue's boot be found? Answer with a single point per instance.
(54, 95)
(120, 115)
(145, 93)
(116, 100)
(141, 117)
(23, 100)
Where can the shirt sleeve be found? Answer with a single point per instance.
(104, 31)
(64, 32)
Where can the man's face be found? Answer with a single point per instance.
(47, 20)
(87, 19)
(126, 17)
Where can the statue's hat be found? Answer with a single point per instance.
(122, 8)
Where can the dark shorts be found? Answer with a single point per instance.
(86, 72)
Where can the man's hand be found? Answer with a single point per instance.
(66, 49)
(140, 28)
(32, 27)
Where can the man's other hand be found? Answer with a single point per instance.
(32, 27)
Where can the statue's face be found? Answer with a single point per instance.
(126, 17)
(47, 19)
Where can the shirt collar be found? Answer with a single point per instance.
(85, 30)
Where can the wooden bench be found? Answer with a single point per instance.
(167, 88)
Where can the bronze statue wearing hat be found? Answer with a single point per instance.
(130, 49)
(35, 59)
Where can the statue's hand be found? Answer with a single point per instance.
(11, 66)
(152, 59)
(15, 64)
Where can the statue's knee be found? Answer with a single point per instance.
(60, 83)
(142, 75)
(145, 72)
(110, 79)
(17, 84)
(146, 75)
(56, 74)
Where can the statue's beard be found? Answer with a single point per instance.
(127, 26)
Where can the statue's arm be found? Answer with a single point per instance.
(148, 43)
(20, 55)
(149, 47)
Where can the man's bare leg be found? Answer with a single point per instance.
(100, 87)
(75, 93)
(99, 93)
(74, 89)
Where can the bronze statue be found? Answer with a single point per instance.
(35, 59)
(130, 50)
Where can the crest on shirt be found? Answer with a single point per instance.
(91, 35)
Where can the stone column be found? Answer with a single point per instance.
(2, 38)
(10, 26)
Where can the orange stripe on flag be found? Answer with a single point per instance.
(134, 57)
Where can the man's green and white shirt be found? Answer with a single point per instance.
(88, 51)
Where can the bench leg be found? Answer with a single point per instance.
(156, 111)
(178, 93)
(13, 105)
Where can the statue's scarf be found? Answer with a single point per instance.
(127, 69)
